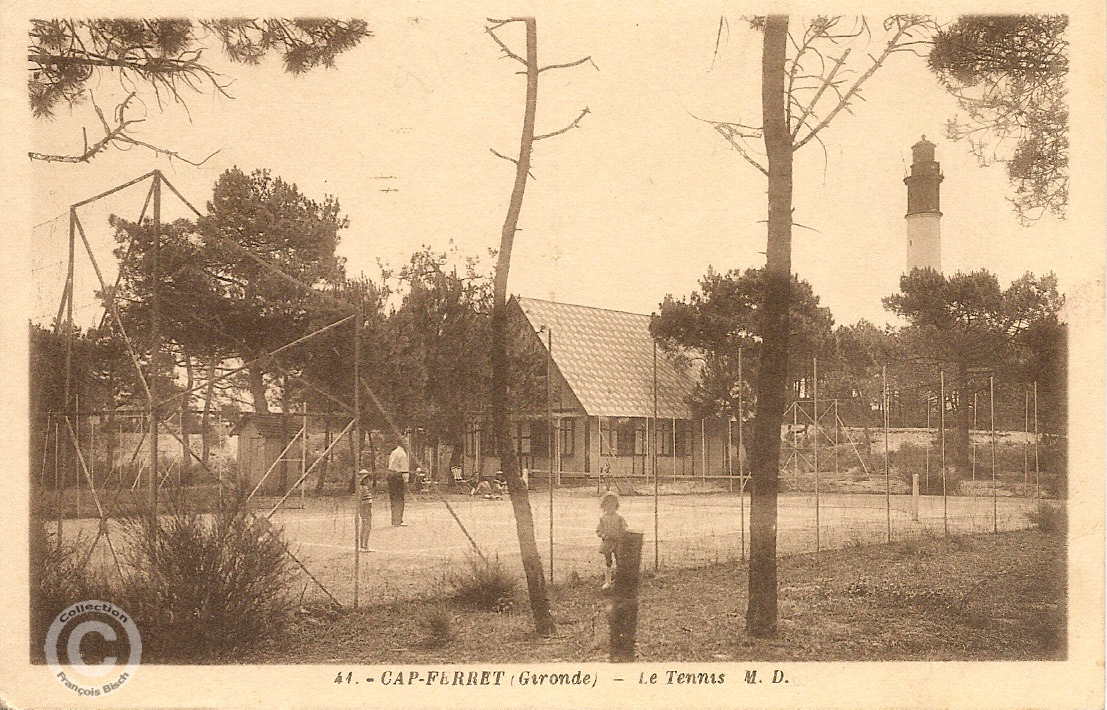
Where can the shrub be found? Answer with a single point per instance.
(486, 586)
(438, 626)
(1050, 518)
(209, 585)
(58, 578)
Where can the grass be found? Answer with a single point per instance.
(985, 597)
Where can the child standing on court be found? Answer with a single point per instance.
(610, 529)
(365, 508)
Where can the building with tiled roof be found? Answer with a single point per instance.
(604, 409)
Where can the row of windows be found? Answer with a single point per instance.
(629, 437)
(527, 438)
(618, 437)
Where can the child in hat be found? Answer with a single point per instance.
(610, 529)
(365, 508)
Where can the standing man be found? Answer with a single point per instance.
(398, 468)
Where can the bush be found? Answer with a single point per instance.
(438, 626)
(1050, 518)
(485, 586)
(58, 578)
(211, 584)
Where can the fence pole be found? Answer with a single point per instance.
(815, 406)
(741, 454)
(929, 435)
(303, 456)
(77, 447)
(1025, 441)
(57, 485)
(795, 445)
(155, 355)
(656, 488)
(1037, 468)
(357, 448)
(991, 405)
(92, 453)
(550, 438)
(887, 467)
(972, 441)
(942, 440)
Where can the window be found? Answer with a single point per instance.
(665, 430)
(641, 437)
(566, 435)
(626, 437)
(609, 437)
(540, 437)
(683, 437)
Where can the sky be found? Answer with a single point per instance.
(634, 204)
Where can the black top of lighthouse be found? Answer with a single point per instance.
(922, 183)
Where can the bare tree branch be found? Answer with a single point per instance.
(496, 24)
(511, 160)
(574, 124)
(900, 41)
(114, 135)
(732, 137)
(570, 64)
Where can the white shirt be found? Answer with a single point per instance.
(398, 461)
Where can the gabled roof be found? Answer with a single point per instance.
(606, 358)
(270, 426)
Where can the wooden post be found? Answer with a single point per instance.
(887, 466)
(942, 440)
(58, 499)
(971, 440)
(622, 610)
(741, 454)
(155, 355)
(656, 488)
(1025, 441)
(551, 441)
(795, 444)
(815, 420)
(1037, 468)
(928, 437)
(915, 497)
(836, 472)
(357, 446)
(991, 405)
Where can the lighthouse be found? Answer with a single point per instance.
(924, 216)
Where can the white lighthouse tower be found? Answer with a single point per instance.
(924, 216)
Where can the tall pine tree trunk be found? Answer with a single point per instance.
(520, 500)
(256, 377)
(186, 422)
(962, 437)
(205, 422)
(772, 376)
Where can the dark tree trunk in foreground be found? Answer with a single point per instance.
(772, 376)
(520, 500)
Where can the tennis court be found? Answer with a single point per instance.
(418, 559)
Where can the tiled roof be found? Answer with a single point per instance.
(270, 426)
(606, 357)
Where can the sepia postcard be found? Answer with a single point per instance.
(568, 354)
